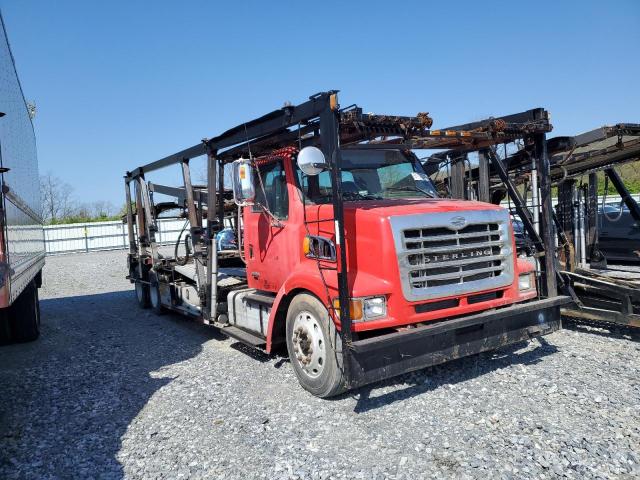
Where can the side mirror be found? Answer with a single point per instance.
(311, 161)
(242, 177)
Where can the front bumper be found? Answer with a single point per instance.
(384, 356)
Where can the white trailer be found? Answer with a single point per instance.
(22, 248)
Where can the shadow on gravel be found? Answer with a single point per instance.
(260, 355)
(449, 373)
(251, 352)
(619, 332)
(73, 393)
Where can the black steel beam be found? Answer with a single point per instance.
(140, 218)
(545, 246)
(547, 226)
(586, 162)
(516, 198)
(257, 146)
(457, 178)
(221, 200)
(265, 145)
(629, 201)
(602, 133)
(330, 145)
(211, 283)
(594, 254)
(179, 193)
(484, 194)
(130, 229)
(196, 232)
(530, 116)
(273, 122)
(378, 146)
(268, 124)
(187, 154)
(565, 218)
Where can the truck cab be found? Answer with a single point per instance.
(412, 257)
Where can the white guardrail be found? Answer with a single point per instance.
(94, 236)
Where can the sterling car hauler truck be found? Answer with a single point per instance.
(21, 235)
(350, 259)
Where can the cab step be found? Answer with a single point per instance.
(244, 336)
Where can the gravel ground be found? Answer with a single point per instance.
(111, 391)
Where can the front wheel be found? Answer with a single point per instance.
(315, 347)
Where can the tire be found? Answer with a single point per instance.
(154, 295)
(24, 316)
(5, 332)
(315, 347)
(142, 294)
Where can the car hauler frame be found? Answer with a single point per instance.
(608, 288)
(363, 356)
(605, 290)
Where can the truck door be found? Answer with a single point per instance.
(267, 252)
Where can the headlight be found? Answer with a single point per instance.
(524, 282)
(368, 308)
(375, 307)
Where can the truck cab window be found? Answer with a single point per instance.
(372, 175)
(275, 196)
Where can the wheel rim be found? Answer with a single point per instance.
(309, 344)
(155, 296)
(139, 291)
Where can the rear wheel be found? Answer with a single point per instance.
(24, 316)
(154, 295)
(315, 347)
(142, 294)
(5, 333)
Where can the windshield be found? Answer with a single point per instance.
(372, 175)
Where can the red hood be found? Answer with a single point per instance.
(405, 206)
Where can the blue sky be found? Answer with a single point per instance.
(122, 83)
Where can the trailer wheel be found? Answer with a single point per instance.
(5, 332)
(315, 347)
(142, 294)
(154, 295)
(24, 316)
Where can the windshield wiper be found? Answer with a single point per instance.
(409, 188)
(362, 196)
(351, 196)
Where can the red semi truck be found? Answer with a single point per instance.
(349, 258)
(22, 248)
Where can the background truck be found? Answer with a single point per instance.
(347, 257)
(22, 247)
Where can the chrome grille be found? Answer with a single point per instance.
(453, 253)
(446, 258)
